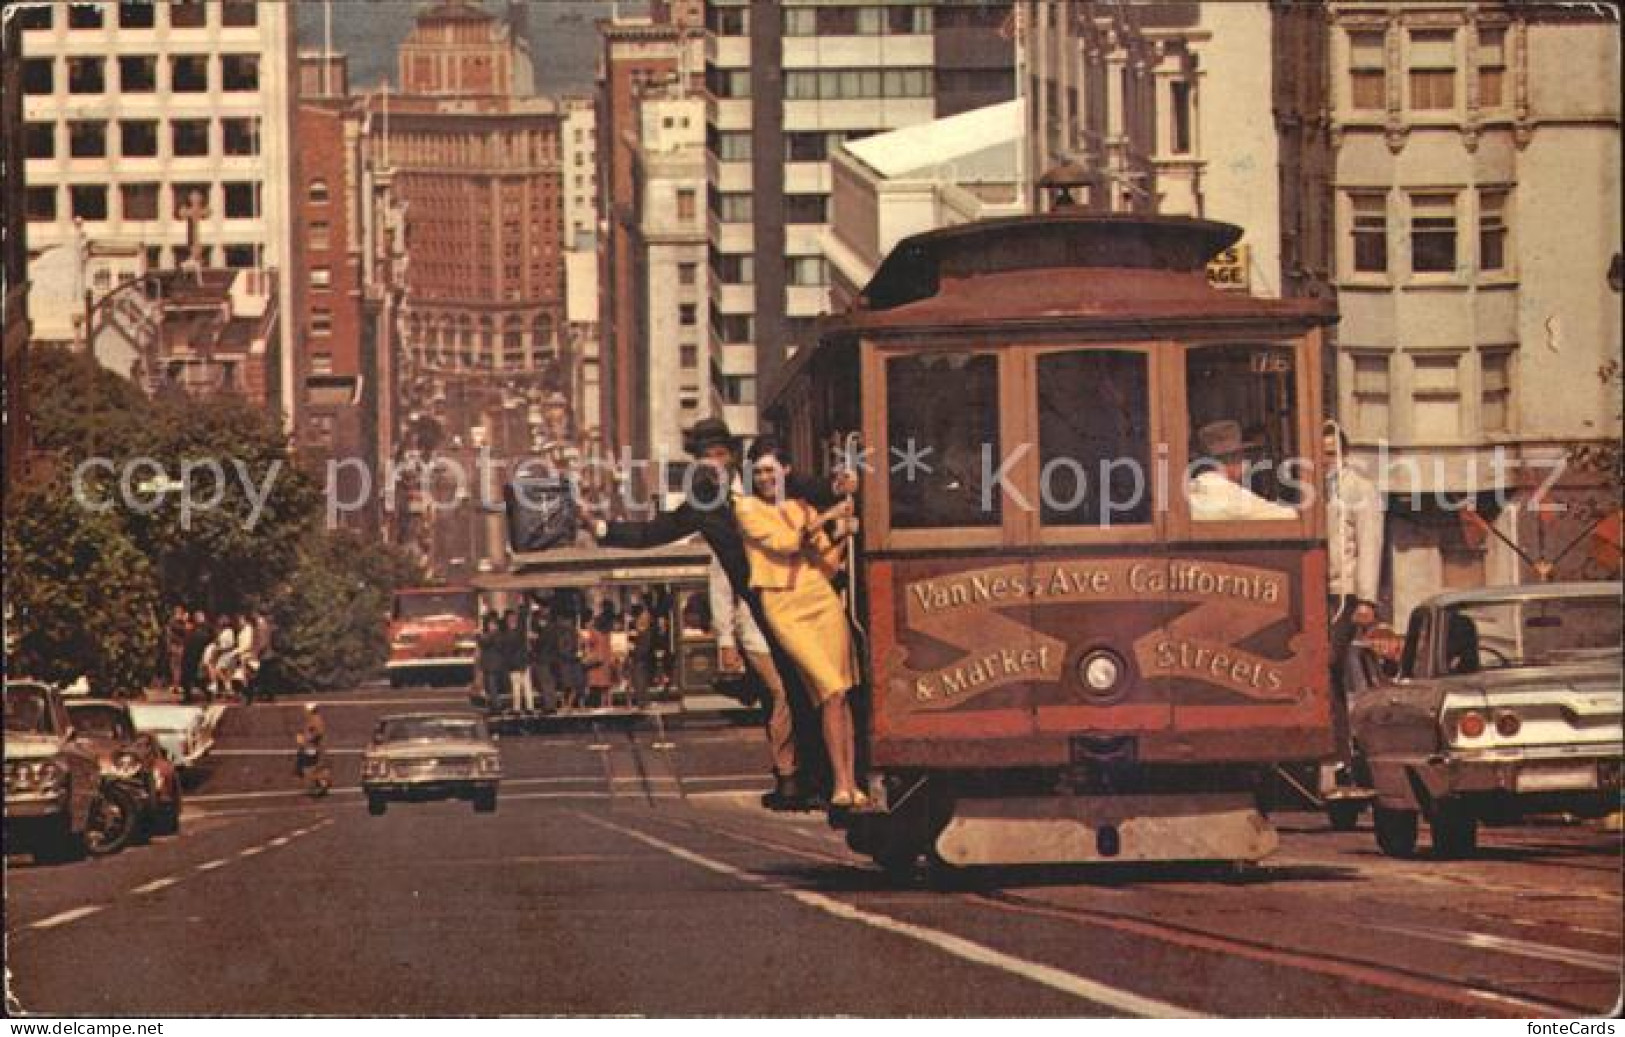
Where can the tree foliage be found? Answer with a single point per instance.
(81, 598)
(331, 617)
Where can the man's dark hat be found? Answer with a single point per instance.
(708, 432)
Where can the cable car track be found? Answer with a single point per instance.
(1478, 997)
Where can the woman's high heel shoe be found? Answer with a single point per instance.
(843, 799)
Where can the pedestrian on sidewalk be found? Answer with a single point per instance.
(175, 632)
(199, 635)
(516, 657)
(492, 664)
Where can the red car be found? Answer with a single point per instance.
(431, 635)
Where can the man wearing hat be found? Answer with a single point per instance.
(707, 510)
(1218, 493)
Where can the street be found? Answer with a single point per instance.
(623, 875)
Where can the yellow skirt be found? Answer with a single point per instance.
(811, 625)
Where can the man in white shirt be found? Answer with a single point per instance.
(1218, 494)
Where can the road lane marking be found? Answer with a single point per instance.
(1507, 945)
(280, 840)
(211, 865)
(249, 851)
(956, 946)
(155, 885)
(67, 916)
(571, 779)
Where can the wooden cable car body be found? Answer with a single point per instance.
(984, 602)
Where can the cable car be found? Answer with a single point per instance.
(1091, 578)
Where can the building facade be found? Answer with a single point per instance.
(670, 258)
(1477, 202)
(579, 148)
(786, 85)
(14, 332)
(164, 126)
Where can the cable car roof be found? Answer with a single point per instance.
(593, 567)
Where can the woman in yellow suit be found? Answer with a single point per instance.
(791, 563)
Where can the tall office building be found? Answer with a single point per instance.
(152, 127)
(13, 255)
(787, 83)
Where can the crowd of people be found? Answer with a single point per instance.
(547, 656)
(216, 657)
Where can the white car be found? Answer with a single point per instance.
(1508, 703)
(184, 733)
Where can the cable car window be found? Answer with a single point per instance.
(943, 431)
(1094, 438)
(1245, 460)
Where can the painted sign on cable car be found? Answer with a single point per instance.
(992, 621)
(1228, 271)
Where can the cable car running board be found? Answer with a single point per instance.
(1091, 829)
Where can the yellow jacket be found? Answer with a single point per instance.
(778, 555)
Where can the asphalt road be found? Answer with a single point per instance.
(622, 877)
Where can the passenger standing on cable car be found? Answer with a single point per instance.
(792, 561)
(492, 661)
(707, 510)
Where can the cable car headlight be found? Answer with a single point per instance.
(1101, 671)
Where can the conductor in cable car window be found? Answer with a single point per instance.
(1219, 492)
(707, 509)
(792, 563)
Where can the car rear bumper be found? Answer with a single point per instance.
(434, 662)
(1534, 781)
(35, 806)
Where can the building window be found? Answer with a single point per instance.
(727, 82)
(240, 136)
(136, 15)
(728, 21)
(806, 147)
(734, 328)
(739, 390)
(89, 202)
(1495, 385)
(688, 356)
(733, 146)
(189, 137)
(184, 196)
(139, 201)
(1371, 389)
(36, 17)
(1179, 117)
(321, 277)
(733, 269)
(138, 73)
(806, 270)
(138, 138)
(240, 73)
(39, 76)
(41, 203)
(806, 208)
(87, 139)
(318, 192)
(239, 14)
(1367, 71)
(189, 74)
(687, 273)
(687, 201)
(800, 21)
(1492, 66)
(87, 75)
(1369, 230)
(188, 14)
(1433, 70)
(1433, 233)
(154, 256)
(85, 16)
(688, 314)
(321, 321)
(242, 257)
(39, 140)
(320, 234)
(1492, 230)
(1436, 397)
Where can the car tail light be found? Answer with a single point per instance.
(1507, 724)
(1471, 724)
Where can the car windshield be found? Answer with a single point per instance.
(28, 710)
(1522, 633)
(446, 603)
(429, 729)
(101, 722)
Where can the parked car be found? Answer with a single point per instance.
(418, 756)
(132, 759)
(431, 635)
(53, 781)
(184, 733)
(1507, 703)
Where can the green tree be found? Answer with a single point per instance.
(82, 600)
(80, 409)
(331, 617)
